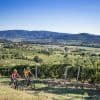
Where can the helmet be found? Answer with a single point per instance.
(15, 70)
(28, 67)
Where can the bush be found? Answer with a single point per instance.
(95, 78)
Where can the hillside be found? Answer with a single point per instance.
(48, 37)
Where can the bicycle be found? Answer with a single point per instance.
(28, 82)
(14, 83)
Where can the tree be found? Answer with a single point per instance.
(37, 59)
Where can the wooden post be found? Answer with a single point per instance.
(78, 73)
(66, 73)
(36, 72)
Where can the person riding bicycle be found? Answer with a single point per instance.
(14, 76)
(27, 75)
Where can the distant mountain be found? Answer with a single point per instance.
(49, 37)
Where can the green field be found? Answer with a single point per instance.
(50, 54)
(76, 64)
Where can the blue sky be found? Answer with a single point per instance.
(70, 16)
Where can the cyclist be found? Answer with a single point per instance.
(14, 80)
(27, 74)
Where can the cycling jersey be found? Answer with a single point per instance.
(27, 73)
(14, 75)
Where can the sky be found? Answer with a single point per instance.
(67, 16)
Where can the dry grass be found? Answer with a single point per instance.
(7, 93)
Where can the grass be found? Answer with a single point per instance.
(63, 93)
(43, 92)
(14, 62)
(7, 93)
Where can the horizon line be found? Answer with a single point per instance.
(90, 33)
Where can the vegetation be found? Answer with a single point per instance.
(81, 63)
(76, 64)
(6, 93)
(44, 92)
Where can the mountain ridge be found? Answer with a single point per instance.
(49, 37)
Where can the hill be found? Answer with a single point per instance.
(48, 37)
